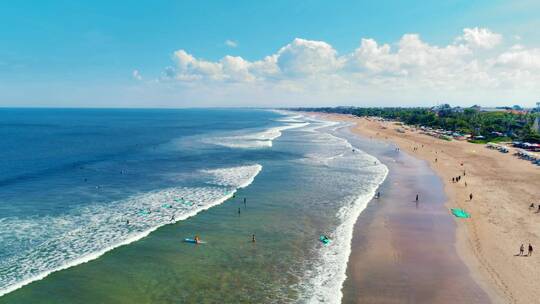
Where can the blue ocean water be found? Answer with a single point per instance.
(78, 183)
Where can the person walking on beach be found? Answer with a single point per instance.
(470, 197)
(521, 249)
(530, 250)
(531, 206)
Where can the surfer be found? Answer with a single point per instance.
(172, 218)
(197, 239)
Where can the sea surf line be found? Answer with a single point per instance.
(323, 283)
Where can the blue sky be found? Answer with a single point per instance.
(122, 53)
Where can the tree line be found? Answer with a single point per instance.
(491, 125)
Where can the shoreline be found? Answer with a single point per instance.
(487, 242)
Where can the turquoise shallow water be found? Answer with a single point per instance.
(311, 183)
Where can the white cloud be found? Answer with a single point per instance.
(307, 57)
(136, 75)
(231, 43)
(406, 70)
(480, 37)
(518, 57)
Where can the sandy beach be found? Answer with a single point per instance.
(503, 187)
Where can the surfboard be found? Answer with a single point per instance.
(324, 240)
(192, 241)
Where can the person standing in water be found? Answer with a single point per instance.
(245, 203)
(238, 211)
(416, 198)
(253, 238)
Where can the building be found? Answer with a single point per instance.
(536, 124)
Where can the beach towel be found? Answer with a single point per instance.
(460, 213)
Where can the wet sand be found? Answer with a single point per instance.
(403, 251)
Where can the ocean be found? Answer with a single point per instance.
(95, 204)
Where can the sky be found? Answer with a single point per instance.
(269, 53)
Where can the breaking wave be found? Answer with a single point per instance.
(52, 243)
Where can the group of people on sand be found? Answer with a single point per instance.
(456, 179)
(532, 207)
(522, 250)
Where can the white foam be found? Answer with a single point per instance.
(233, 177)
(81, 236)
(323, 280)
(326, 279)
(254, 140)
